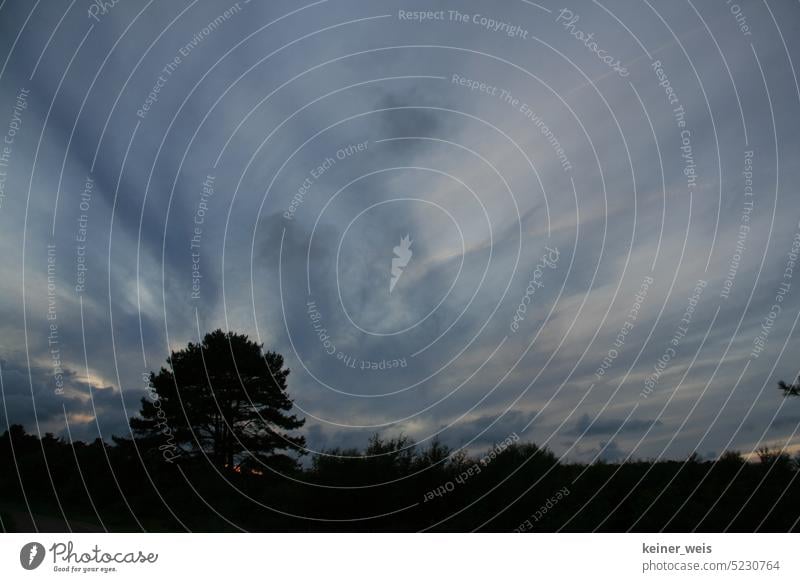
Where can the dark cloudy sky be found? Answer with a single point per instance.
(625, 171)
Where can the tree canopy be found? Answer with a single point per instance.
(224, 398)
(790, 389)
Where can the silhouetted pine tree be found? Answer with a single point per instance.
(224, 398)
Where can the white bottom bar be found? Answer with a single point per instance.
(401, 557)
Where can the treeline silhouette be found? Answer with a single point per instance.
(214, 448)
(97, 486)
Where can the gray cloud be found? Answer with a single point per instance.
(585, 426)
(464, 366)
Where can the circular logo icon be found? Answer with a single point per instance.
(31, 555)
